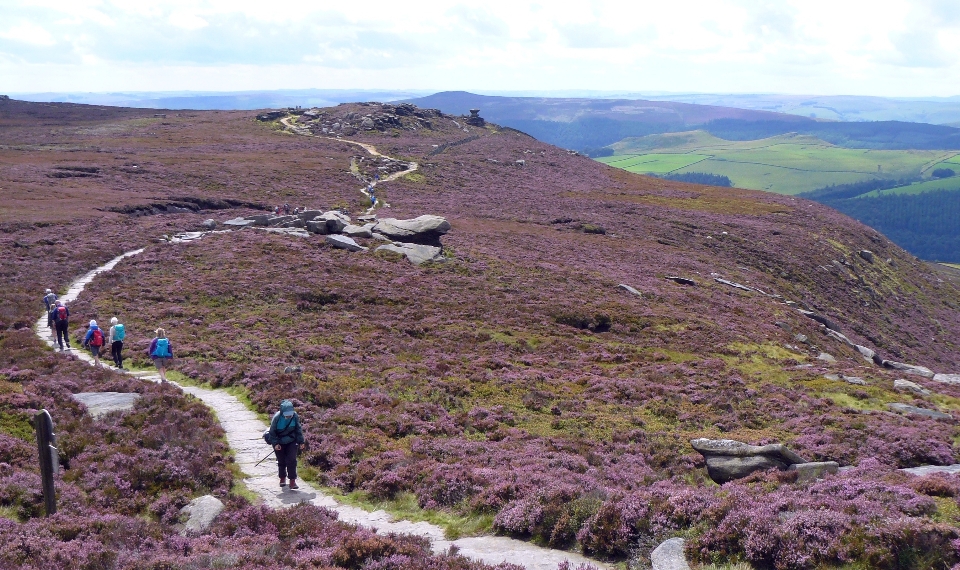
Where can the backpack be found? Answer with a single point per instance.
(163, 348)
(61, 313)
(96, 339)
(118, 332)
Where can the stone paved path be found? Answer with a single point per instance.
(244, 435)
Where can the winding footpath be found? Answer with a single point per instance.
(411, 166)
(244, 435)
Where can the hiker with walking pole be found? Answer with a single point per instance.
(286, 437)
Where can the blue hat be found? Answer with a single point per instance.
(286, 408)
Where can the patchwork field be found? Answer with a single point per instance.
(952, 183)
(786, 164)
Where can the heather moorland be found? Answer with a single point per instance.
(515, 384)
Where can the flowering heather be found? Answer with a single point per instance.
(516, 381)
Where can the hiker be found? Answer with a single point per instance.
(286, 436)
(161, 351)
(61, 320)
(50, 301)
(94, 340)
(117, 334)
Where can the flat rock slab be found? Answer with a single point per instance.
(908, 409)
(908, 386)
(867, 353)
(239, 222)
(200, 514)
(415, 253)
(102, 403)
(728, 460)
(629, 289)
(947, 378)
(732, 284)
(681, 280)
(669, 556)
(421, 226)
(351, 230)
(931, 469)
(807, 472)
(909, 368)
(344, 242)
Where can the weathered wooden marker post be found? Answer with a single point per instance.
(49, 458)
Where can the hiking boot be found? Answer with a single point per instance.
(283, 481)
(293, 484)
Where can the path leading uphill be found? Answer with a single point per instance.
(411, 166)
(244, 435)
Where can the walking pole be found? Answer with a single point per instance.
(265, 458)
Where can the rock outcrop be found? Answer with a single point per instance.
(423, 230)
(728, 460)
(909, 368)
(343, 242)
(947, 378)
(807, 472)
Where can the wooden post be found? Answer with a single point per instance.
(49, 458)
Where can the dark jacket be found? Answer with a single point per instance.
(285, 430)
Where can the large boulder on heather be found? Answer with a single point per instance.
(355, 231)
(335, 220)
(728, 460)
(807, 472)
(669, 556)
(908, 386)
(947, 378)
(102, 403)
(200, 514)
(424, 230)
(417, 254)
(909, 368)
(343, 242)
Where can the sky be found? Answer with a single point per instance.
(905, 48)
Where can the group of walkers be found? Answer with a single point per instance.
(95, 340)
(285, 435)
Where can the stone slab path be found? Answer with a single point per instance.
(244, 435)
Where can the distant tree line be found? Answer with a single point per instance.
(890, 135)
(704, 178)
(841, 191)
(943, 173)
(927, 225)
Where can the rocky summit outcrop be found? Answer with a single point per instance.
(424, 230)
(728, 460)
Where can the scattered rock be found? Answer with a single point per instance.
(209, 224)
(102, 403)
(308, 215)
(367, 124)
(838, 336)
(867, 255)
(629, 289)
(293, 370)
(854, 380)
(357, 231)
(425, 230)
(826, 357)
(834, 377)
(908, 409)
(732, 284)
(931, 469)
(947, 378)
(318, 227)
(820, 319)
(728, 460)
(813, 470)
(908, 386)
(296, 232)
(909, 368)
(669, 556)
(681, 280)
(239, 222)
(800, 338)
(416, 253)
(867, 353)
(343, 242)
(200, 514)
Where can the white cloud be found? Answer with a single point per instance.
(896, 47)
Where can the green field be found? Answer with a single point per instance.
(787, 164)
(952, 183)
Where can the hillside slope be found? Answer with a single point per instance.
(516, 383)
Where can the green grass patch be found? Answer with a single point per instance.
(414, 177)
(952, 183)
(786, 164)
(17, 425)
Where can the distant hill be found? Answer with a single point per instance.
(590, 124)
